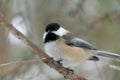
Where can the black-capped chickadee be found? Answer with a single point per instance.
(68, 49)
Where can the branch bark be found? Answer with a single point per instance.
(67, 73)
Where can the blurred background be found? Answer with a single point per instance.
(96, 21)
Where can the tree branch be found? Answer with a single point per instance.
(67, 73)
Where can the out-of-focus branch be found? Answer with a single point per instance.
(45, 58)
(108, 16)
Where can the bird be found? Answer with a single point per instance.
(68, 49)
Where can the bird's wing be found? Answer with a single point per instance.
(80, 43)
(72, 40)
(77, 42)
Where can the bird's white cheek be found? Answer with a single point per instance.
(61, 31)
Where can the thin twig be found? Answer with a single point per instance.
(108, 16)
(115, 67)
(19, 62)
(67, 73)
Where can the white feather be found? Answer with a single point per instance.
(52, 50)
(61, 31)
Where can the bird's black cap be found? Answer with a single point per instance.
(52, 27)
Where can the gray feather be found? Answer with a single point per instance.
(74, 41)
(108, 55)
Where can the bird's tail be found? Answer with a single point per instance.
(108, 55)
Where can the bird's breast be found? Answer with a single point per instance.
(73, 53)
(52, 50)
(70, 55)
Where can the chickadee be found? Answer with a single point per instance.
(68, 49)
